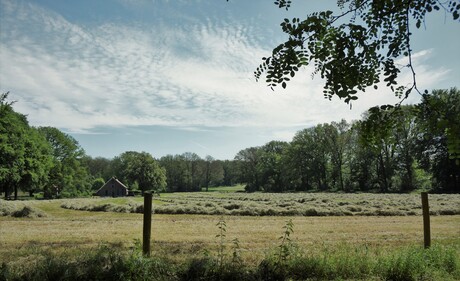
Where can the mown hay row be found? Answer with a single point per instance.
(19, 210)
(293, 204)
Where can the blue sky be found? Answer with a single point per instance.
(174, 76)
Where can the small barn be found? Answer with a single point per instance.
(113, 188)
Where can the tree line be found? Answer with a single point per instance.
(48, 161)
(391, 149)
(185, 172)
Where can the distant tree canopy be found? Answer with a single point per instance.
(389, 150)
(353, 49)
(189, 172)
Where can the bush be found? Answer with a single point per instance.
(103, 263)
(435, 263)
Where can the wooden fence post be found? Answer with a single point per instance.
(426, 220)
(147, 230)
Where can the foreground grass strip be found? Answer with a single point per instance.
(340, 263)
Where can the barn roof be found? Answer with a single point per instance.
(113, 179)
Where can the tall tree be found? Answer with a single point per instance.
(248, 160)
(377, 136)
(213, 172)
(405, 132)
(297, 158)
(439, 137)
(362, 160)
(337, 137)
(68, 177)
(38, 163)
(175, 172)
(141, 169)
(309, 158)
(391, 134)
(24, 154)
(98, 167)
(231, 175)
(270, 166)
(13, 130)
(321, 157)
(194, 171)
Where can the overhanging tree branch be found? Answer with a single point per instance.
(351, 56)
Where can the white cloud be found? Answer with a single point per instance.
(115, 74)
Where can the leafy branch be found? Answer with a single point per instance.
(351, 57)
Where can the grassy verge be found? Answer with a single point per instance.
(346, 263)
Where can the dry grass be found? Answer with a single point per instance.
(19, 210)
(285, 204)
(180, 236)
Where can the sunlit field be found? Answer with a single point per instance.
(273, 204)
(47, 225)
(378, 220)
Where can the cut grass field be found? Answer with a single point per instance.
(285, 204)
(181, 237)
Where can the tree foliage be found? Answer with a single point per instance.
(354, 48)
(99, 167)
(68, 176)
(189, 172)
(140, 169)
(392, 149)
(249, 160)
(24, 153)
(439, 112)
(13, 128)
(439, 137)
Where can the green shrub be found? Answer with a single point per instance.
(435, 263)
(202, 268)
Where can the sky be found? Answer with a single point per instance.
(175, 76)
